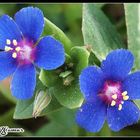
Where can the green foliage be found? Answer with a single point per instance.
(62, 125)
(63, 96)
(98, 32)
(79, 57)
(53, 30)
(68, 96)
(132, 18)
(133, 33)
(24, 109)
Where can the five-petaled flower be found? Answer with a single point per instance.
(22, 50)
(109, 92)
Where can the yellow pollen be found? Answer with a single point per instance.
(17, 49)
(125, 97)
(14, 42)
(8, 42)
(113, 103)
(124, 93)
(14, 55)
(8, 48)
(120, 107)
(114, 96)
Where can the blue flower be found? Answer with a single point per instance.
(22, 50)
(109, 92)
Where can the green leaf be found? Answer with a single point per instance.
(65, 74)
(68, 96)
(53, 30)
(137, 102)
(24, 109)
(98, 31)
(132, 18)
(48, 78)
(79, 57)
(62, 125)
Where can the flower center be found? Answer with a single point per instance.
(112, 94)
(23, 51)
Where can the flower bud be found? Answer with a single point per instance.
(67, 81)
(42, 99)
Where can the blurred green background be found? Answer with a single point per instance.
(68, 17)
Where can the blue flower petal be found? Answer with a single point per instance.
(91, 80)
(91, 115)
(23, 82)
(132, 85)
(49, 53)
(8, 30)
(31, 22)
(118, 64)
(7, 65)
(127, 116)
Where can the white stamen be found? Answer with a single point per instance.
(120, 107)
(17, 49)
(8, 42)
(14, 42)
(125, 97)
(14, 55)
(8, 48)
(113, 103)
(114, 96)
(124, 93)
